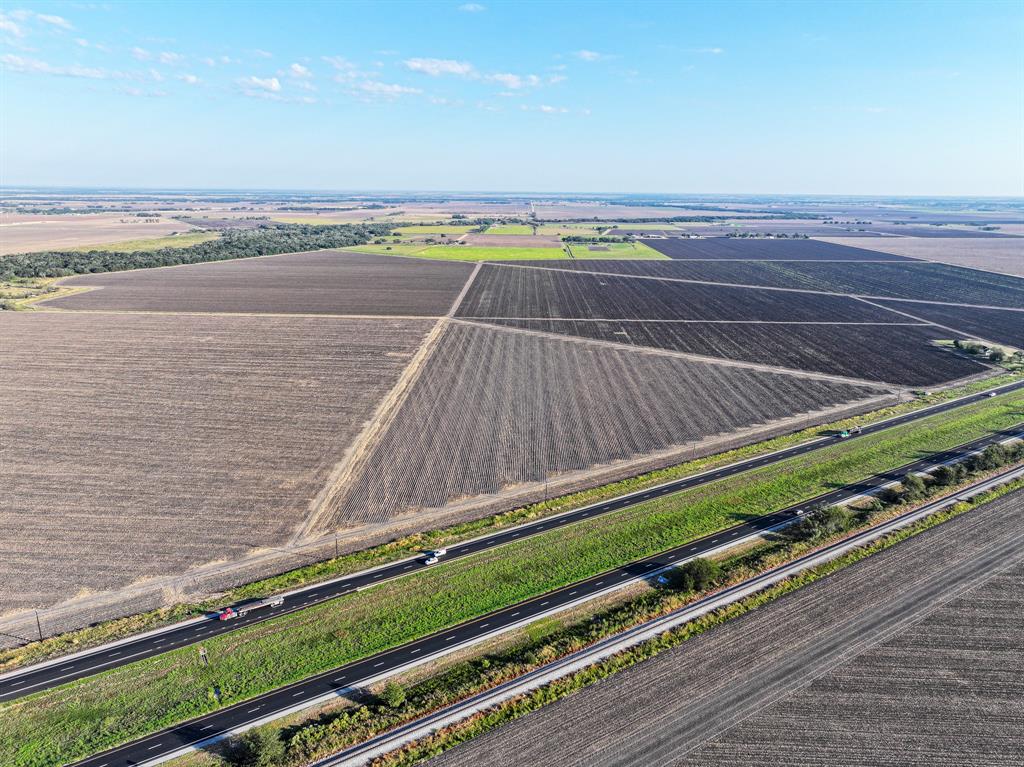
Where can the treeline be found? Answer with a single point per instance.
(585, 238)
(234, 243)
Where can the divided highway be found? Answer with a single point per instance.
(62, 670)
(338, 680)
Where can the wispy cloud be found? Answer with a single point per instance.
(437, 67)
(585, 55)
(168, 57)
(189, 79)
(515, 82)
(545, 109)
(10, 26)
(268, 84)
(259, 52)
(37, 67)
(297, 70)
(141, 54)
(386, 90)
(129, 90)
(56, 21)
(472, 8)
(712, 51)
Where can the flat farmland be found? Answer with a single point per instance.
(909, 280)
(28, 233)
(998, 254)
(913, 656)
(495, 409)
(898, 354)
(1003, 326)
(136, 445)
(523, 240)
(319, 282)
(737, 248)
(515, 291)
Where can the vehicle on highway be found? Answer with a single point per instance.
(844, 434)
(229, 613)
(436, 553)
(431, 561)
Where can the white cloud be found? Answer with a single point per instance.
(209, 62)
(472, 8)
(554, 79)
(8, 25)
(436, 67)
(545, 109)
(515, 82)
(338, 62)
(57, 21)
(297, 70)
(263, 54)
(713, 51)
(37, 67)
(189, 79)
(167, 57)
(140, 93)
(156, 75)
(386, 90)
(585, 55)
(269, 84)
(141, 54)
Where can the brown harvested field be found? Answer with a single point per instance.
(136, 445)
(511, 241)
(319, 282)
(896, 353)
(495, 409)
(912, 657)
(994, 254)
(1001, 326)
(605, 212)
(27, 233)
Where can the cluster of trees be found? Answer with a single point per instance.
(992, 353)
(583, 238)
(823, 523)
(761, 235)
(234, 243)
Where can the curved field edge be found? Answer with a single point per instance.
(410, 545)
(472, 727)
(91, 715)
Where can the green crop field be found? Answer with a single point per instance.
(510, 229)
(156, 243)
(626, 250)
(463, 252)
(86, 716)
(432, 229)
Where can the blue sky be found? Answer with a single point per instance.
(829, 98)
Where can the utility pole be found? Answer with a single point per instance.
(39, 627)
(335, 545)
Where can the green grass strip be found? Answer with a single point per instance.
(92, 714)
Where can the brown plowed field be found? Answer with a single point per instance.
(764, 250)
(996, 254)
(912, 280)
(505, 291)
(1003, 326)
(495, 408)
(319, 282)
(902, 354)
(137, 445)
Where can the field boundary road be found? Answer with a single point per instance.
(85, 663)
(205, 730)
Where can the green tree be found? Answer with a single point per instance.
(393, 695)
(257, 748)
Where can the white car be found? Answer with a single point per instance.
(430, 561)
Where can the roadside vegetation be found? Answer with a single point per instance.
(412, 544)
(292, 745)
(92, 714)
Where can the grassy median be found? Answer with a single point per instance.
(84, 717)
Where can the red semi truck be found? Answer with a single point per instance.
(228, 613)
